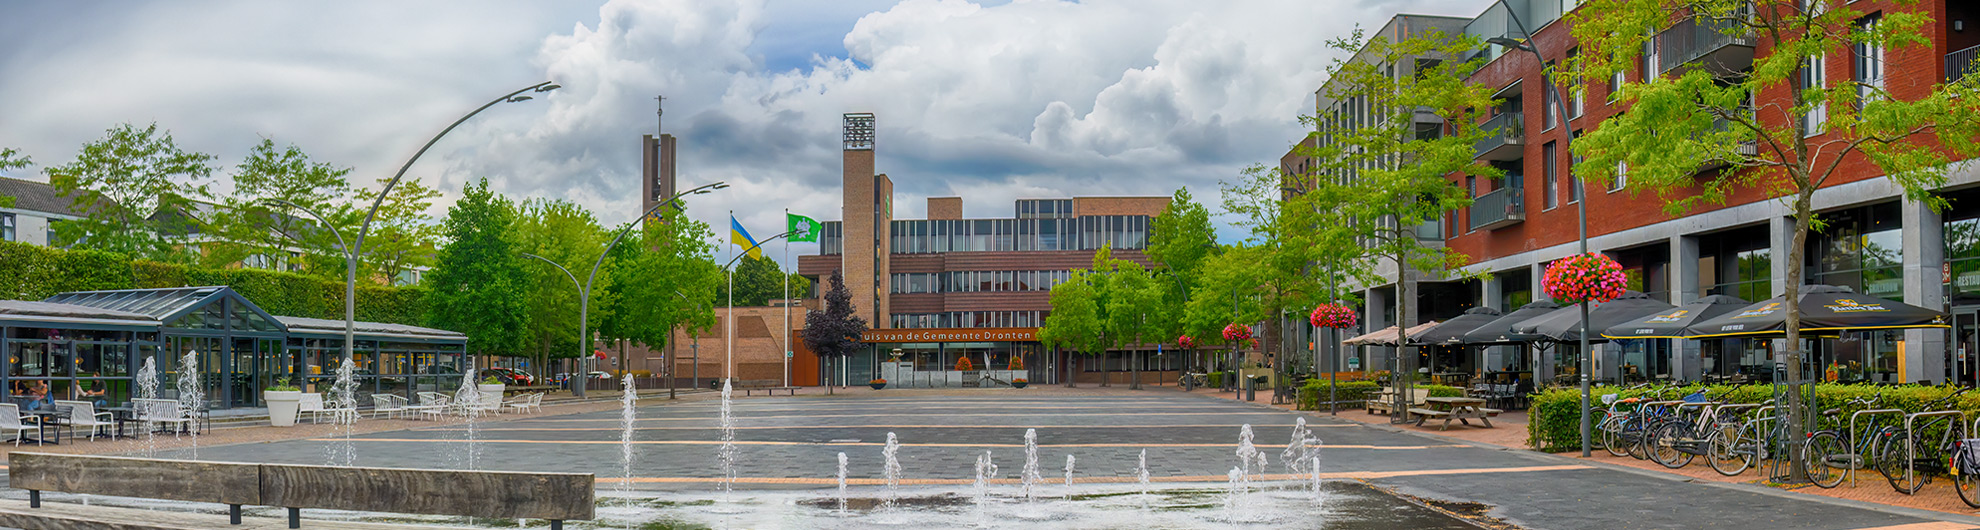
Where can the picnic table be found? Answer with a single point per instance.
(1454, 408)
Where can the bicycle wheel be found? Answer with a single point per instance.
(1612, 440)
(1891, 463)
(1722, 451)
(1635, 437)
(1968, 486)
(1828, 460)
(1663, 444)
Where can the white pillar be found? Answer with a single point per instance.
(1924, 286)
(1780, 238)
(1375, 358)
(1686, 365)
(1490, 291)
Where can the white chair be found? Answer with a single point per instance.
(430, 404)
(311, 403)
(84, 414)
(340, 415)
(161, 412)
(525, 403)
(11, 420)
(387, 405)
(536, 402)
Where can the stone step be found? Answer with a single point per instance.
(65, 516)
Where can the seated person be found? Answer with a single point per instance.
(38, 397)
(88, 391)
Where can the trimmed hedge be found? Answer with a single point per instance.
(32, 272)
(1309, 395)
(1554, 424)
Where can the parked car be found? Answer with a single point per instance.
(509, 376)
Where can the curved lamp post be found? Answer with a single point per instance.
(350, 273)
(350, 276)
(727, 270)
(1580, 210)
(584, 291)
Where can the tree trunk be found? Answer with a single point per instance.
(1072, 367)
(1797, 419)
(1403, 376)
(1106, 376)
(1135, 369)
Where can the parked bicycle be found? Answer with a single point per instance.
(1910, 458)
(1676, 442)
(1832, 454)
(1191, 380)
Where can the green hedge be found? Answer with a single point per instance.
(32, 272)
(1554, 424)
(1216, 379)
(1354, 391)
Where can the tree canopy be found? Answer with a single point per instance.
(478, 286)
(121, 181)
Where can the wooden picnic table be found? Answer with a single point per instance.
(1462, 409)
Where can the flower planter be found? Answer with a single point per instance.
(1019, 384)
(877, 386)
(282, 406)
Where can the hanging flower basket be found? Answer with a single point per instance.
(1237, 332)
(1334, 316)
(1186, 342)
(1591, 277)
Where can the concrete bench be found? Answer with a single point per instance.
(556, 497)
(770, 390)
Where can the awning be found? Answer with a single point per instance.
(1387, 336)
(1452, 331)
(1671, 324)
(1565, 325)
(1824, 308)
(1499, 331)
(24, 313)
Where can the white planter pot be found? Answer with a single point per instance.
(490, 393)
(282, 405)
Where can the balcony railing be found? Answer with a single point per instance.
(1961, 63)
(1500, 208)
(1507, 139)
(1697, 41)
(1746, 148)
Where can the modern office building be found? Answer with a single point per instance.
(949, 286)
(1875, 241)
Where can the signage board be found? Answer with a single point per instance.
(949, 335)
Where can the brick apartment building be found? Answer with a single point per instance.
(1876, 241)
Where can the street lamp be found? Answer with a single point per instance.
(1580, 211)
(729, 271)
(350, 264)
(350, 275)
(584, 291)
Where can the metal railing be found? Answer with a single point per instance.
(1960, 63)
(1694, 38)
(1499, 208)
(1507, 129)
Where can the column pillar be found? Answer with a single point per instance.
(1924, 276)
(1373, 359)
(1686, 363)
(1490, 292)
(1780, 238)
(1542, 360)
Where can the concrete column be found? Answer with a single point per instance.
(1924, 277)
(1542, 361)
(1780, 236)
(1489, 293)
(1375, 358)
(1686, 364)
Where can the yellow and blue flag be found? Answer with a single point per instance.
(741, 239)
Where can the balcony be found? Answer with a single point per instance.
(1500, 208)
(1747, 148)
(1961, 63)
(1506, 138)
(1703, 42)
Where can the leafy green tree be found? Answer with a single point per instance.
(1076, 322)
(478, 286)
(1180, 240)
(665, 278)
(760, 280)
(402, 235)
(1783, 126)
(565, 233)
(121, 181)
(1389, 180)
(288, 174)
(1278, 282)
(833, 333)
(11, 159)
(1135, 314)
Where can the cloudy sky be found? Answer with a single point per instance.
(991, 100)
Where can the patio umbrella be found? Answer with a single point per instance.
(1565, 326)
(1824, 308)
(1498, 331)
(1386, 336)
(1671, 324)
(1452, 331)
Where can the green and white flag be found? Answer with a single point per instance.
(803, 229)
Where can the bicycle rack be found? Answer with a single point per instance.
(1911, 439)
(1855, 451)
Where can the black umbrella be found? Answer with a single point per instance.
(1824, 308)
(1671, 324)
(1565, 326)
(1452, 331)
(1498, 331)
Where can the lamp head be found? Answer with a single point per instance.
(549, 87)
(520, 98)
(1508, 42)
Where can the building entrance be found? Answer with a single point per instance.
(1964, 350)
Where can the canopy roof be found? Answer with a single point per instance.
(1823, 308)
(335, 329)
(1565, 326)
(1386, 336)
(1671, 324)
(25, 313)
(1452, 331)
(181, 307)
(1499, 331)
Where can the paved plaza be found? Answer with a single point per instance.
(788, 443)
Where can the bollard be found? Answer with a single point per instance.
(1250, 389)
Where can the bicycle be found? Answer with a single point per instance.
(1731, 451)
(1609, 431)
(1191, 380)
(1908, 462)
(1675, 443)
(1831, 455)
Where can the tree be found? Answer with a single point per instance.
(1076, 321)
(1179, 240)
(562, 232)
(1385, 179)
(760, 280)
(834, 332)
(253, 229)
(120, 181)
(664, 277)
(11, 159)
(1782, 127)
(1134, 309)
(402, 235)
(478, 285)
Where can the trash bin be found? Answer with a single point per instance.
(1251, 388)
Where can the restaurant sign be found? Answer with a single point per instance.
(949, 335)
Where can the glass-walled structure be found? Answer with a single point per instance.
(91, 344)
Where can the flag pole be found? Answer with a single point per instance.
(787, 301)
(729, 337)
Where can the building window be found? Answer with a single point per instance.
(1860, 248)
(1548, 97)
(1550, 179)
(7, 227)
(1650, 61)
(1869, 63)
(1615, 86)
(832, 239)
(1737, 263)
(1814, 76)
(1576, 92)
(1622, 177)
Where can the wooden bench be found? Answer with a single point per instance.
(1384, 401)
(1453, 408)
(491, 494)
(770, 390)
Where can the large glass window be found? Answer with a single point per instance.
(1549, 165)
(1862, 249)
(1737, 263)
(7, 227)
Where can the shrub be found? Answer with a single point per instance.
(1351, 393)
(1553, 423)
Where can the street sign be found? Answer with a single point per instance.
(787, 354)
(1354, 363)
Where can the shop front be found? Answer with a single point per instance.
(931, 357)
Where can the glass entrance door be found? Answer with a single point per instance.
(1965, 347)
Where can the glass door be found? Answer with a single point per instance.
(243, 374)
(1966, 345)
